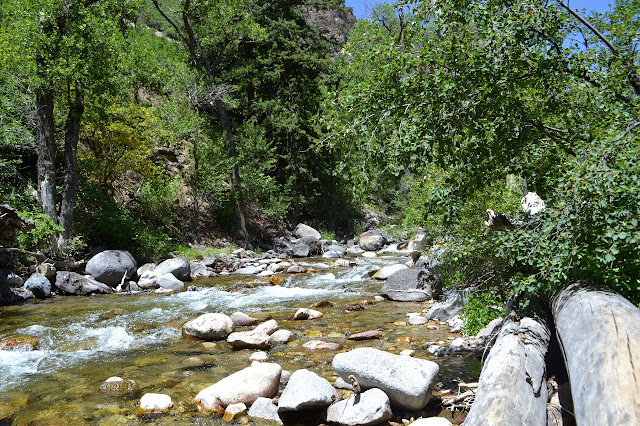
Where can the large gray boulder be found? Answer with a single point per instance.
(300, 250)
(39, 285)
(110, 266)
(406, 285)
(305, 391)
(213, 326)
(406, 380)
(368, 408)
(246, 386)
(77, 285)
(178, 266)
(454, 302)
(303, 230)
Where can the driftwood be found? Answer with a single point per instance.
(512, 389)
(599, 334)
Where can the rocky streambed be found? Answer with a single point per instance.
(80, 342)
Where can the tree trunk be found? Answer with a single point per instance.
(599, 335)
(235, 173)
(46, 152)
(70, 189)
(512, 389)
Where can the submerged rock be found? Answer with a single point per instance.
(246, 386)
(118, 385)
(19, 344)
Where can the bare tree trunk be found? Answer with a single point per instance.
(512, 389)
(70, 189)
(599, 335)
(46, 153)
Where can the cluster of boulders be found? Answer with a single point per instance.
(369, 384)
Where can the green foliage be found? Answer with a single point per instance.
(39, 238)
(482, 307)
(158, 200)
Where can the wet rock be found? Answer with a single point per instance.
(119, 386)
(452, 306)
(307, 314)
(341, 251)
(341, 263)
(178, 266)
(275, 280)
(212, 326)
(19, 344)
(368, 408)
(78, 285)
(386, 271)
(111, 266)
(407, 381)
(259, 356)
(373, 240)
(155, 402)
(417, 320)
(301, 250)
(246, 386)
(234, 411)
(240, 319)
(296, 269)
(258, 338)
(322, 304)
(169, 282)
(366, 335)
(280, 337)
(432, 421)
(355, 250)
(264, 409)
(306, 390)
(331, 255)
(406, 285)
(302, 231)
(320, 345)
(198, 270)
(249, 270)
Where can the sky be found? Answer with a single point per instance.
(361, 8)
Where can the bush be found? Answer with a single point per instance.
(482, 307)
(38, 239)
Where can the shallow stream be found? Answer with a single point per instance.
(85, 340)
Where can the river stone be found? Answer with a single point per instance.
(452, 306)
(302, 231)
(315, 247)
(110, 266)
(39, 285)
(46, 269)
(368, 408)
(265, 410)
(331, 255)
(10, 278)
(19, 344)
(212, 326)
(366, 335)
(407, 381)
(320, 345)
(118, 385)
(240, 319)
(306, 313)
(432, 421)
(406, 285)
(373, 240)
(306, 390)
(169, 282)
(355, 250)
(280, 337)
(78, 285)
(342, 263)
(417, 320)
(155, 402)
(249, 270)
(178, 266)
(247, 385)
(301, 250)
(258, 338)
(386, 271)
(296, 269)
(144, 268)
(233, 411)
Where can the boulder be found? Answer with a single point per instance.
(373, 240)
(355, 250)
(306, 313)
(280, 337)
(77, 285)
(302, 231)
(10, 278)
(489, 330)
(240, 319)
(144, 268)
(331, 255)
(247, 385)
(213, 326)
(258, 338)
(111, 266)
(306, 390)
(19, 344)
(454, 301)
(417, 320)
(169, 282)
(386, 271)
(301, 250)
(39, 285)
(155, 402)
(368, 408)
(406, 285)
(406, 380)
(315, 246)
(265, 410)
(341, 251)
(296, 269)
(47, 269)
(249, 270)
(178, 266)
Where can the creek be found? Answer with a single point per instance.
(85, 340)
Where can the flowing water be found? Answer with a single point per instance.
(85, 340)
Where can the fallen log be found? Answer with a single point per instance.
(599, 335)
(512, 389)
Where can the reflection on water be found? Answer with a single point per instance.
(85, 340)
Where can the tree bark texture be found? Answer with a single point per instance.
(46, 153)
(512, 389)
(70, 189)
(599, 334)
